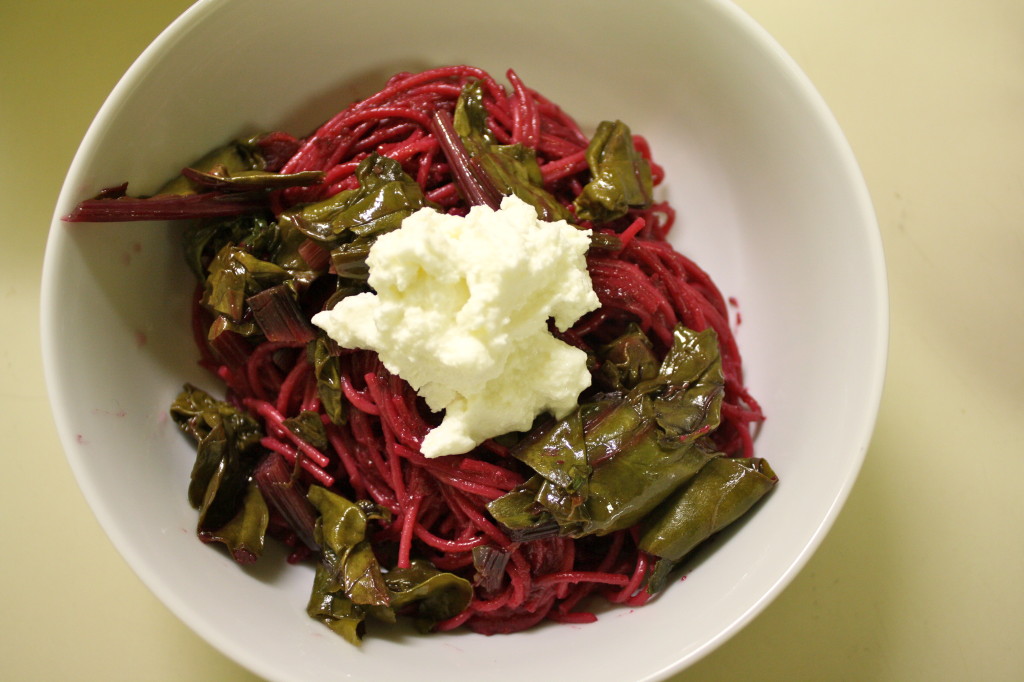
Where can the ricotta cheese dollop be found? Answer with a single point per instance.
(460, 311)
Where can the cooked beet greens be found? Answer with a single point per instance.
(607, 465)
(229, 181)
(318, 446)
(227, 450)
(621, 177)
(350, 584)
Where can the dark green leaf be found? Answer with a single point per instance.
(361, 577)
(438, 595)
(235, 157)
(470, 117)
(244, 534)
(327, 369)
(628, 361)
(235, 274)
(522, 516)
(308, 426)
(201, 242)
(620, 176)
(227, 449)
(659, 575)
(349, 222)
(688, 391)
(350, 585)
(557, 452)
(238, 260)
(637, 477)
(253, 274)
(286, 254)
(223, 324)
(342, 524)
(510, 169)
(386, 195)
(203, 239)
(341, 534)
(222, 178)
(721, 493)
(605, 241)
(612, 461)
(349, 260)
(334, 609)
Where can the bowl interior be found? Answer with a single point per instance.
(770, 203)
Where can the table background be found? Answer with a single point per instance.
(921, 577)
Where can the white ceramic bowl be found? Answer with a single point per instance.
(770, 201)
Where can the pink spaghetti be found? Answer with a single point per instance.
(438, 506)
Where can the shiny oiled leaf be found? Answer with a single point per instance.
(508, 169)
(470, 117)
(558, 453)
(349, 222)
(256, 234)
(522, 515)
(342, 524)
(308, 426)
(620, 176)
(222, 178)
(235, 274)
(204, 239)
(628, 361)
(327, 370)
(687, 394)
(244, 535)
(361, 578)
(349, 259)
(334, 609)
(287, 253)
(636, 478)
(341, 534)
(437, 595)
(386, 195)
(227, 449)
(724, 490)
(611, 462)
(236, 156)
(350, 585)
(253, 274)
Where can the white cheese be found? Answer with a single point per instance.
(461, 312)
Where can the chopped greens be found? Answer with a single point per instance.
(621, 175)
(612, 461)
(328, 378)
(227, 449)
(502, 169)
(244, 534)
(351, 585)
(232, 180)
(386, 195)
(722, 492)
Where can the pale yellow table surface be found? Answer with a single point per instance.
(922, 577)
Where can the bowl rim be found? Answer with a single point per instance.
(878, 341)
